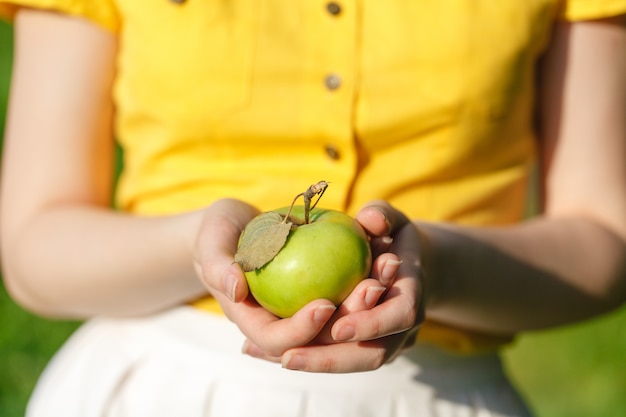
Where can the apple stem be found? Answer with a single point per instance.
(315, 189)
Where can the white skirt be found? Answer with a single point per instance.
(188, 363)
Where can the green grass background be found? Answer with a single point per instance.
(574, 371)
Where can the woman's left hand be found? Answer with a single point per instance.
(362, 337)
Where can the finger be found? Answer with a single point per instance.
(401, 310)
(398, 313)
(216, 245)
(385, 268)
(379, 218)
(380, 244)
(251, 349)
(402, 307)
(274, 335)
(344, 357)
(364, 296)
(369, 291)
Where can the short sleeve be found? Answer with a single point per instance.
(102, 12)
(573, 10)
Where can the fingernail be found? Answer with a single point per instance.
(293, 362)
(382, 213)
(323, 313)
(372, 295)
(390, 269)
(230, 285)
(344, 333)
(252, 350)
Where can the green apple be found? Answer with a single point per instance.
(325, 258)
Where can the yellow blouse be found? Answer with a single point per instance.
(426, 104)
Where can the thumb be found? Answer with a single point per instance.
(216, 245)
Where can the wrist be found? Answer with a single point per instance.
(432, 284)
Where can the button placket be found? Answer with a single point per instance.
(332, 81)
(334, 64)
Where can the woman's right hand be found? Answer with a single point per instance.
(214, 263)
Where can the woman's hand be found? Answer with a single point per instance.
(364, 334)
(214, 262)
(268, 336)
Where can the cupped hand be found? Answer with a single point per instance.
(365, 296)
(216, 245)
(362, 337)
(361, 334)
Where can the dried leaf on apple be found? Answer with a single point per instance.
(261, 240)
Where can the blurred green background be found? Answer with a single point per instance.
(574, 371)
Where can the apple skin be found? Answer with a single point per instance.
(326, 258)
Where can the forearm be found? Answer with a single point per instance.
(541, 273)
(80, 261)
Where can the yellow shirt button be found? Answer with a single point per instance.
(332, 152)
(332, 81)
(333, 8)
(177, 1)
